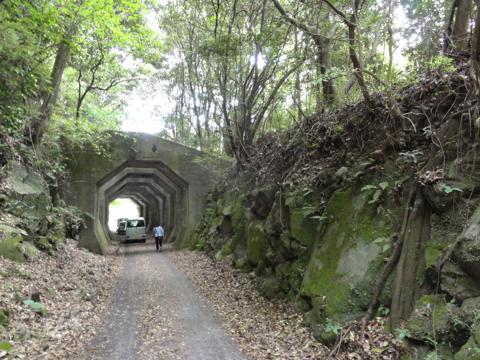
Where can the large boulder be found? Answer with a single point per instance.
(467, 253)
(256, 242)
(261, 201)
(278, 218)
(12, 244)
(342, 255)
(458, 284)
(28, 195)
(436, 319)
(471, 349)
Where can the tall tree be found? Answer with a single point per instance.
(475, 58)
(460, 32)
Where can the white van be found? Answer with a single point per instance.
(135, 230)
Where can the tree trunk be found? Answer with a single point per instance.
(411, 266)
(475, 59)
(319, 69)
(297, 94)
(390, 41)
(46, 111)
(460, 27)
(357, 66)
(328, 85)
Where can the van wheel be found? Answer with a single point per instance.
(144, 240)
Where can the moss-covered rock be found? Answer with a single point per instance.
(435, 319)
(239, 219)
(256, 242)
(343, 253)
(471, 349)
(456, 283)
(270, 287)
(28, 195)
(42, 243)
(467, 253)
(11, 243)
(261, 201)
(241, 263)
(304, 226)
(277, 219)
(29, 250)
(226, 250)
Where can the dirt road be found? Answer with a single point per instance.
(156, 314)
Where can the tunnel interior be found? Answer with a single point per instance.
(160, 194)
(126, 206)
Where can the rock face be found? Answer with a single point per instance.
(299, 247)
(467, 254)
(343, 253)
(28, 196)
(325, 252)
(32, 222)
(435, 318)
(12, 245)
(471, 349)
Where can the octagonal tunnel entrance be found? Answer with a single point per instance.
(159, 194)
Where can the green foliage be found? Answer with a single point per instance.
(332, 327)
(383, 242)
(37, 307)
(6, 346)
(447, 189)
(410, 157)
(442, 63)
(4, 317)
(378, 191)
(402, 333)
(383, 311)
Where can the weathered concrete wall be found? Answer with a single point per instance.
(141, 165)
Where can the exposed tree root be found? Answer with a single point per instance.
(415, 234)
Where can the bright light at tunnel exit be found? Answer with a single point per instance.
(121, 208)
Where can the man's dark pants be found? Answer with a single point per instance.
(158, 240)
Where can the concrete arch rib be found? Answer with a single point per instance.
(148, 181)
(154, 201)
(164, 192)
(153, 212)
(130, 175)
(151, 188)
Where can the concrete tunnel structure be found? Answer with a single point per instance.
(169, 183)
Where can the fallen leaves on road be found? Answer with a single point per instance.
(55, 302)
(263, 329)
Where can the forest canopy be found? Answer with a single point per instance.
(232, 69)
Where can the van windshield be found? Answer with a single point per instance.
(135, 223)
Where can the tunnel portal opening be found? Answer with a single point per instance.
(158, 194)
(124, 207)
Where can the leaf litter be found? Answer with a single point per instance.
(55, 302)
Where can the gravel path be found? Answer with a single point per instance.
(264, 329)
(156, 314)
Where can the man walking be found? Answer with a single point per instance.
(159, 233)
